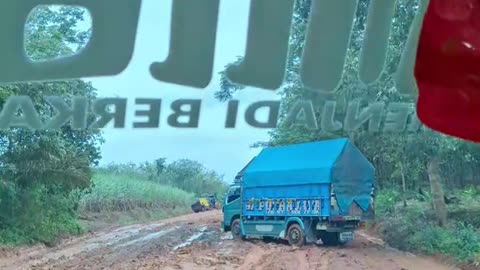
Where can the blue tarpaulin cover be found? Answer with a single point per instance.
(335, 161)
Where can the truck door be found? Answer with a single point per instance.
(232, 194)
(232, 206)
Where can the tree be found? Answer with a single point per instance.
(49, 34)
(421, 152)
(44, 167)
(160, 165)
(192, 176)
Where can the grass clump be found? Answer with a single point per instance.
(112, 193)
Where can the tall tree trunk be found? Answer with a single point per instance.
(433, 168)
(403, 186)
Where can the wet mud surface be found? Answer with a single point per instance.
(196, 241)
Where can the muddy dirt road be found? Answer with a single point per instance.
(196, 242)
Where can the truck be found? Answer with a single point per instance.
(302, 193)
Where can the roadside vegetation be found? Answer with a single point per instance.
(129, 193)
(426, 183)
(123, 199)
(118, 194)
(50, 183)
(41, 171)
(414, 227)
(112, 193)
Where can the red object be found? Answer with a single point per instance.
(447, 68)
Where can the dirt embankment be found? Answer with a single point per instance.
(195, 241)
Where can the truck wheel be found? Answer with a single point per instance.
(330, 238)
(236, 230)
(295, 235)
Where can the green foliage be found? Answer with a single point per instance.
(388, 152)
(45, 210)
(414, 229)
(185, 174)
(471, 194)
(193, 177)
(453, 162)
(116, 192)
(127, 169)
(42, 171)
(460, 241)
(396, 156)
(386, 201)
(51, 33)
(468, 208)
(398, 227)
(228, 88)
(38, 214)
(50, 160)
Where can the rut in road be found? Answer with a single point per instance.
(196, 241)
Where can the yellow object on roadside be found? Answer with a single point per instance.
(204, 202)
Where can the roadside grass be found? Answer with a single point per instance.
(114, 199)
(114, 193)
(414, 228)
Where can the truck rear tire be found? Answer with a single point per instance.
(236, 230)
(295, 235)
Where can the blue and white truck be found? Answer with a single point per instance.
(302, 193)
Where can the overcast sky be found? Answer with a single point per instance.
(225, 151)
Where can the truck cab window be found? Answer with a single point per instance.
(233, 194)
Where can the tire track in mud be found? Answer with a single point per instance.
(26, 257)
(255, 258)
(107, 254)
(275, 256)
(134, 251)
(365, 253)
(285, 259)
(197, 242)
(319, 259)
(104, 250)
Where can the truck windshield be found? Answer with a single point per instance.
(233, 194)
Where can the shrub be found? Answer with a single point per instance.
(385, 202)
(414, 229)
(399, 226)
(459, 241)
(37, 215)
